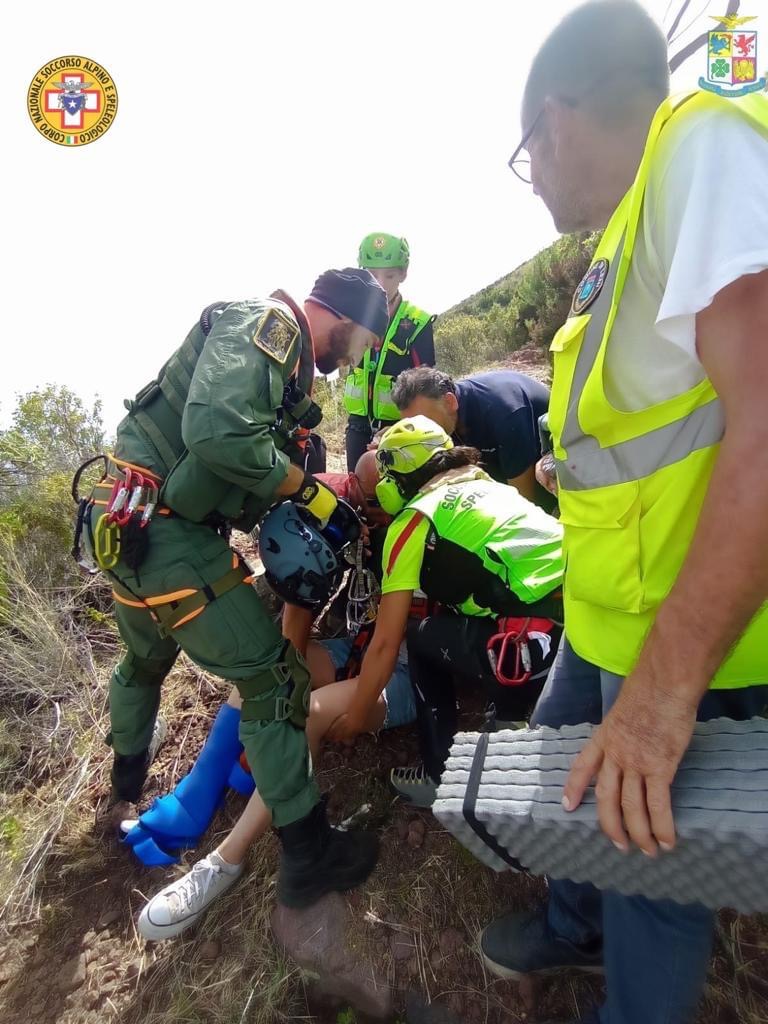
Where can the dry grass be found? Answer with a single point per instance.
(52, 703)
(738, 984)
(249, 980)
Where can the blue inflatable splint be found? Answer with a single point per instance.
(177, 821)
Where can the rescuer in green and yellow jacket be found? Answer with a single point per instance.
(490, 565)
(213, 442)
(408, 342)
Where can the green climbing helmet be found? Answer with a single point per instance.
(405, 447)
(379, 251)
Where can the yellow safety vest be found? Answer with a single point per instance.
(632, 483)
(368, 388)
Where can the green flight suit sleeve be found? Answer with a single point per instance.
(236, 391)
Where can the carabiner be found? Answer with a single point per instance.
(137, 494)
(153, 494)
(106, 543)
(499, 654)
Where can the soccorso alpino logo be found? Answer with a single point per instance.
(72, 101)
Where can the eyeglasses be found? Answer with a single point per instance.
(521, 166)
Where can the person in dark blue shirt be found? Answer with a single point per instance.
(497, 412)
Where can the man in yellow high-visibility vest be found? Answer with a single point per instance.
(661, 447)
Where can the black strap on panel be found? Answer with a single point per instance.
(470, 802)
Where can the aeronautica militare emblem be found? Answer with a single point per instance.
(72, 101)
(732, 68)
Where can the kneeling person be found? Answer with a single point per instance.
(493, 562)
(496, 412)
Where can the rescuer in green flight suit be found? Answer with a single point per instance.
(219, 433)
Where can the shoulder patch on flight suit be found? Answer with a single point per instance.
(275, 334)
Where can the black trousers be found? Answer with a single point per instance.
(443, 645)
(358, 436)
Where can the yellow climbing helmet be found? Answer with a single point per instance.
(405, 447)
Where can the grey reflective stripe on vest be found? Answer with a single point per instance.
(589, 465)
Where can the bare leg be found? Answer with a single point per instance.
(331, 701)
(320, 665)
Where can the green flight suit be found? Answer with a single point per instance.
(219, 427)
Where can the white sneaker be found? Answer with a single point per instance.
(184, 901)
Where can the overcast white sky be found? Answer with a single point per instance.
(254, 145)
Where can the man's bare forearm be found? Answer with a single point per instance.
(724, 579)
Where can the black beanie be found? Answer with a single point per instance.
(356, 294)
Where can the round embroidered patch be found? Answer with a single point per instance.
(72, 101)
(589, 287)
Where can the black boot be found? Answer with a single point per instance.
(317, 859)
(129, 772)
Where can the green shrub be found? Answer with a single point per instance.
(524, 308)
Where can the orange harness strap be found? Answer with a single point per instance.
(170, 611)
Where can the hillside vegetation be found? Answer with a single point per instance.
(524, 309)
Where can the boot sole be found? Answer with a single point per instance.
(412, 798)
(509, 975)
(301, 900)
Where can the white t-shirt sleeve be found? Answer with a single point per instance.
(710, 217)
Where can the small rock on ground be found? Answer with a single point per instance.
(315, 938)
(72, 974)
(415, 838)
(209, 950)
(107, 918)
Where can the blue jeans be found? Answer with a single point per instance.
(656, 952)
(398, 693)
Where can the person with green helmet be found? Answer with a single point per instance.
(493, 563)
(408, 342)
(211, 443)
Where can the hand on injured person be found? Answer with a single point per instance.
(345, 729)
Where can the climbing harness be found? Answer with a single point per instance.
(172, 610)
(129, 496)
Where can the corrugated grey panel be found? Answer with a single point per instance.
(719, 797)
